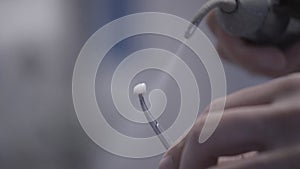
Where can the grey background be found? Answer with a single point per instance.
(39, 43)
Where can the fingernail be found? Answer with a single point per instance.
(166, 163)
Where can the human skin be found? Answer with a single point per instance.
(263, 118)
(262, 59)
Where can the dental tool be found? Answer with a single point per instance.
(226, 5)
(274, 22)
(139, 90)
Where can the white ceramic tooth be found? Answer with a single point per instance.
(140, 89)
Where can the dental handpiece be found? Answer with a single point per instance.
(260, 21)
(227, 5)
(139, 90)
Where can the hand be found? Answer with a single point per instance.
(267, 60)
(264, 118)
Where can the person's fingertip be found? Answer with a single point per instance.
(167, 163)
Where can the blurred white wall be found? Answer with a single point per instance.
(39, 42)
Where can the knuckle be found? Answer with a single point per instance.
(218, 104)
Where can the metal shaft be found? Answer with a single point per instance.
(154, 123)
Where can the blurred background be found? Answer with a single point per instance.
(39, 43)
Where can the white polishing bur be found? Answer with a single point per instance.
(140, 89)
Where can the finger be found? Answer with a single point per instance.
(228, 139)
(258, 95)
(214, 27)
(230, 159)
(252, 96)
(223, 53)
(261, 59)
(172, 157)
(278, 159)
(212, 22)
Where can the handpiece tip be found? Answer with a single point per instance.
(187, 35)
(191, 29)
